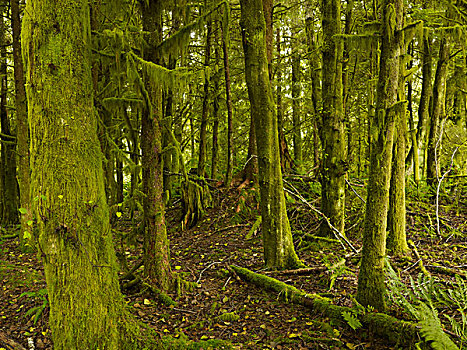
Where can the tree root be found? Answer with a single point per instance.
(396, 331)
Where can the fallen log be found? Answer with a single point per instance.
(402, 333)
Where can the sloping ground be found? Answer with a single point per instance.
(222, 306)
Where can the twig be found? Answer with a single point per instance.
(209, 266)
(228, 279)
(337, 233)
(419, 259)
(439, 186)
(353, 190)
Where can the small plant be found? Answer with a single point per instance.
(37, 311)
(352, 319)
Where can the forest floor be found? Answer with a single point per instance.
(203, 254)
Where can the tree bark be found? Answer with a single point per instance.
(437, 115)
(22, 138)
(278, 247)
(296, 120)
(333, 166)
(8, 147)
(156, 245)
(87, 310)
(204, 114)
(371, 287)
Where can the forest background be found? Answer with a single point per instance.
(325, 141)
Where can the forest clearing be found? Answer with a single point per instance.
(228, 174)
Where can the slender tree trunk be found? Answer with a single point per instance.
(296, 120)
(22, 139)
(371, 287)
(156, 245)
(316, 99)
(425, 96)
(215, 110)
(204, 115)
(87, 310)
(286, 158)
(8, 148)
(333, 167)
(438, 114)
(277, 237)
(228, 101)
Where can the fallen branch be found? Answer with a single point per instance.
(419, 259)
(304, 271)
(446, 270)
(10, 343)
(336, 232)
(394, 330)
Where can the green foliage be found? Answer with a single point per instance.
(255, 227)
(421, 301)
(37, 311)
(229, 317)
(352, 320)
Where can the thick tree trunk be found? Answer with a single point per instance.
(156, 245)
(277, 237)
(371, 287)
(87, 310)
(438, 114)
(397, 240)
(333, 166)
(22, 138)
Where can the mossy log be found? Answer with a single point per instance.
(396, 331)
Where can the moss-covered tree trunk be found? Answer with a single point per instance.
(424, 104)
(296, 117)
(228, 101)
(277, 237)
(437, 115)
(8, 147)
(203, 129)
(22, 139)
(397, 240)
(286, 158)
(156, 245)
(316, 95)
(371, 287)
(333, 165)
(87, 310)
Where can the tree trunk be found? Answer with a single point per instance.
(424, 104)
(22, 138)
(277, 237)
(438, 114)
(333, 166)
(87, 310)
(286, 158)
(297, 131)
(397, 240)
(156, 245)
(8, 148)
(204, 115)
(371, 287)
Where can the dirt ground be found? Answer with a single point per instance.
(222, 306)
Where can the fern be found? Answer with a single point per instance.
(432, 330)
(352, 320)
(254, 228)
